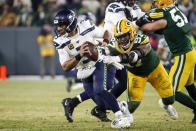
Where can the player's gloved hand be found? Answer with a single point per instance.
(114, 60)
(118, 65)
(110, 59)
(143, 20)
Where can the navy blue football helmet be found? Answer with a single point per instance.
(65, 17)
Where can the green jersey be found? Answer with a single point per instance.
(177, 30)
(144, 65)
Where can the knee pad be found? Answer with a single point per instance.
(169, 100)
(133, 105)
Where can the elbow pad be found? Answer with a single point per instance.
(133, 57)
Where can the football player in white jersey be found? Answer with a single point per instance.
(69, 42)
(121, 9)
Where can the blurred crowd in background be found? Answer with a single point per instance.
(40, 13)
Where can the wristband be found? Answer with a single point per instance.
(78, 57)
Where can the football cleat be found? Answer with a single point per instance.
(68, 108)
(124, 108)
(122, 122)
(171, 111)
(100, 114)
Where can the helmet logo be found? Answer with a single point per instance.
(70, 17)
(128, 23)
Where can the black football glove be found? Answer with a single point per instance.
(143, 20)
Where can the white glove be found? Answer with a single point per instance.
(114, 60)
(110, 59)
(118, 65)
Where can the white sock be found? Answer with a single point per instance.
(79, 98)
(118, 114)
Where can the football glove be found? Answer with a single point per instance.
(114, 60)
(143, 20)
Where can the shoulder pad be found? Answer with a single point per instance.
(141, 39)
(61, 42)
(85, 27)
(83, 24)
(115, 7)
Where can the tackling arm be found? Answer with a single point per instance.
(154, 26)
(152, 21)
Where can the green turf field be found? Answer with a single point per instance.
(36, 105)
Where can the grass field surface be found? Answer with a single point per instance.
(36, 105)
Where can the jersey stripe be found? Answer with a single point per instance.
(180, 75)
(64, 44)
(156, 15)
(105, 77)
(178, 72)
(118, 28)
(87, 31)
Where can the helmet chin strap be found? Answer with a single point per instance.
(73, 33)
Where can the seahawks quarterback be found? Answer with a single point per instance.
(69, 43)
(134, 51)
(167, 19)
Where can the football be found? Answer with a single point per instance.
(93, 52)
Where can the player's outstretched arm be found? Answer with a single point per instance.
(154, 26)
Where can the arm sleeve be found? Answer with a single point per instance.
(63, 56)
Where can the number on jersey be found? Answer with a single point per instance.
(178, 17)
